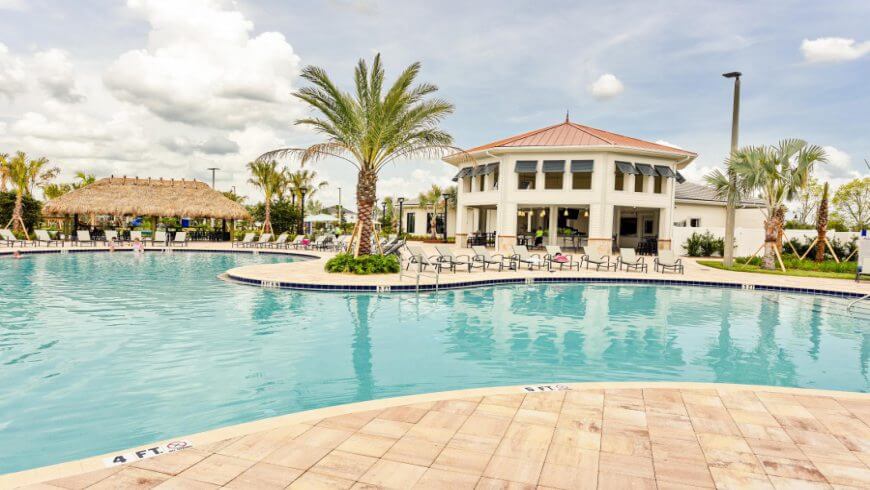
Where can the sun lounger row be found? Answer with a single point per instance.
(84, 239)
(322, 242)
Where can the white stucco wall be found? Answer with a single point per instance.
(713, 215)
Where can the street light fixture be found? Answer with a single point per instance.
(730, 212)
(401, 216)
(384, 215)
(340, 211)
(301, 211)
(445, 196)
(213, 170)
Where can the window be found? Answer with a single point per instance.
(657, 184)
(526, 180)
(582, 180)
(647, 227)
(638, 183)
(694, 222)
(620, 181)
(466, 184)
(495, 179)
(554, 180)
(409, 223)
(439, 223)
(628, 226)
(481, 183)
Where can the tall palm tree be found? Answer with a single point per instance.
(4, 176)
(776, 173)
(25, 174)
(822, 225)
(53, 190)
(270, 180)
(302, 180)
(370, 129)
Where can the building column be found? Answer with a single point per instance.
(600, 229)
(665, 224)
(506, 226)
(553, 228)
(460, 233)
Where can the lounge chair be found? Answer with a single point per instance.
(668, 261)
(159, 238)
(630, 260)
(521, 255)
(863, 269)
(451, 260)
(43, 238)
(83, 237)
(341, 242)
(551, 258)
(280, 242)
(264, 240)
(297, 242)
(599, 261)
(419, 257)
(180, 238)
(482, 255)
(319, 243)
(395, 248)
(111, 236)
(136, 234)
(7, 237)
(246, 240)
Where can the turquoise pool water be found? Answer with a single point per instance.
(100, 352)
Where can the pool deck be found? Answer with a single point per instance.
(589, 435)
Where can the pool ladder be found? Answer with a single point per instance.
(416, 275)
(851, 305)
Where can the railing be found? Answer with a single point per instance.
(416, 275)
(855, 302)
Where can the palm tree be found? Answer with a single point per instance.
(776, 173)
(302, 180)
(270, 180)
(24, 175)
(370, 129)
(54, 190)
(822, 225)
(430, 200)
(4, 176)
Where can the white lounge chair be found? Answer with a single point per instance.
(419, 257)
(451, 260)
(668, 261)
(280, 242)
(7, 237)
(552, 258)
(630, 260)
(599, 261)
(43, 238)
(521, 255)
(159, 238)
(246, 240)
(297, 242)
(482, 255)
(111, 236)
(83, 237)
(180, 239)
(318, 244)
(136, 234)
(264, 240)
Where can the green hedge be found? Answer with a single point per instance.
(364, 264)
(706, 245)
(32, 210)
(792, 262)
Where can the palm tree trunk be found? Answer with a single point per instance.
(366, 190)
(770, 233)
(18, 212)
(780, 225)
(267, 222)
(433, 224)
(822, 225)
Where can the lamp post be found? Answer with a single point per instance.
(445, 196)
(301, 211)
(384, 215)
(728, 255)
(340, 211)
(401, 202)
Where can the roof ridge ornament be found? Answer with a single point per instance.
(567, 116)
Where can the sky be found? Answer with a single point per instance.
(170, 88)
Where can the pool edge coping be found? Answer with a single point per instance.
(70, 468)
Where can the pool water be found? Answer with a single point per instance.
(101, 352)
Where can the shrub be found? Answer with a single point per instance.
(32, 210)
(843, 249)
(364, 264)
(706, 245)
(792, 262)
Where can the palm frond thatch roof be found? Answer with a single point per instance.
(122, 196)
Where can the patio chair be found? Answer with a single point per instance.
(280, 242)
(482, 255)
(319, 243)
(296, 243)
(136, 234)
(395, 248)
(863, 269)
(180, 239)
(264, 240)
(668, 261)
(83, 237)
(631, 261)
(246, 240)
(159, 238)
(521, 255)
(42, 237)
(419, 257)
(552, 258)
(112, 236)
(451, 260)
(341, 242)
(7, 237)
(599, 261)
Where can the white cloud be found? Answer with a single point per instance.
(202, 67)
(13, 74)
(12, 5)
(55, 74)
(214, 145)
(833, 49)
(667, 143)
(606, 87)
(839, 165)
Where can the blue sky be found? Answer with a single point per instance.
(169, 88)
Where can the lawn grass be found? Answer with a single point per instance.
(806, 269)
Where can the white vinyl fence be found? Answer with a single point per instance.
(748, 239)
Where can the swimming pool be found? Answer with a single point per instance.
(100, 352)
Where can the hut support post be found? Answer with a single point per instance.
(232, 230)
(75, 228)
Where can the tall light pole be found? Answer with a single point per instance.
(730, 204)
(401, 218)
(445, 196)
(302, 211)
(340, 211)
(213, 170)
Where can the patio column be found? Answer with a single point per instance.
(665, 222)
(553, 226)
(461, 233)
(600, 229)
(506, 227)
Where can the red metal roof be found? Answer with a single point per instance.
(572, 134)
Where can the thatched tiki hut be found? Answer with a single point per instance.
(122, 196)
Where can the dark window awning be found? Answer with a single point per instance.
(645, 169)
(680, 178)
(665, 171)
(526, 166)
(554, 166)
(490, 168)
(479, 170)
(462, 173)
(626, 168)
(582, 166)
